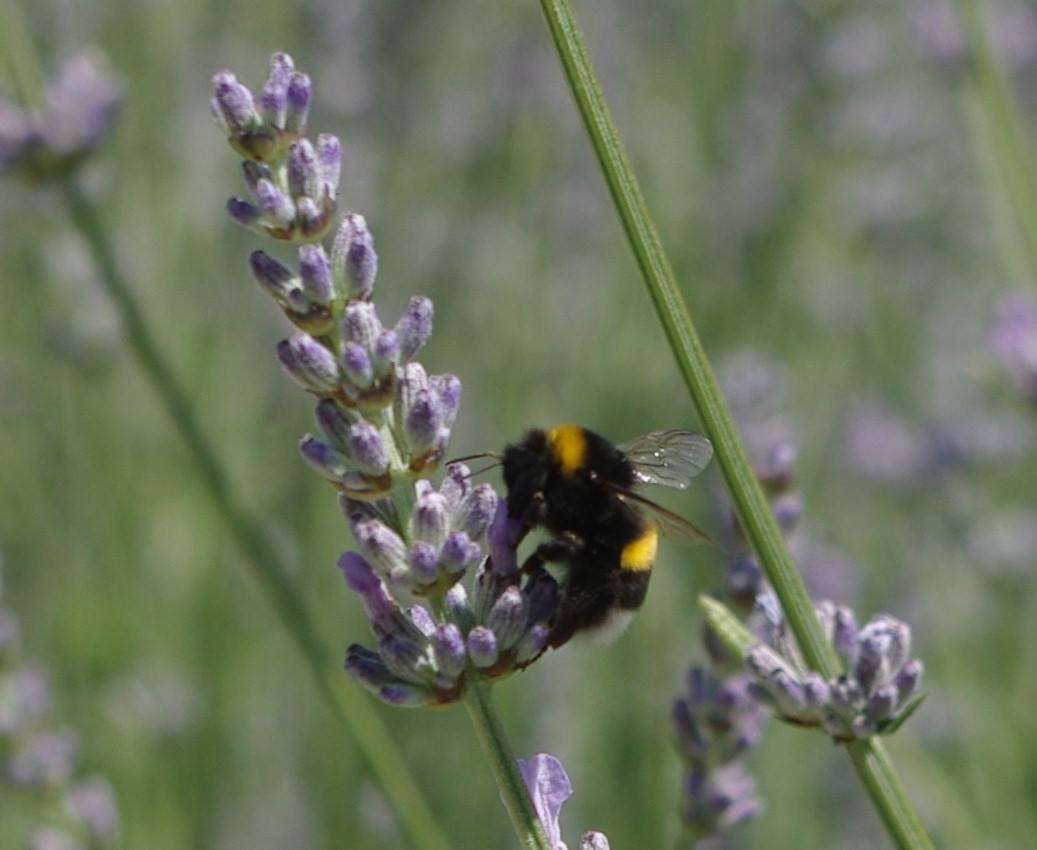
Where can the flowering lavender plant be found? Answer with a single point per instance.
(384, 425)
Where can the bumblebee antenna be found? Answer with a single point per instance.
(484, 469)
(494, 455)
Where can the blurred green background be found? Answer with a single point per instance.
(816, 181)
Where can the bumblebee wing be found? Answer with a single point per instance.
(671, 524)
(670, 458)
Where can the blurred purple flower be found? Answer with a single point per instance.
(1012, 27)
(79, 108)
(884, 447)
(1013, 339)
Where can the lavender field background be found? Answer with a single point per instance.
(828, 190)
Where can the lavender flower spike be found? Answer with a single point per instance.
(878, 692)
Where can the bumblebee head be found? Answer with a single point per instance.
(527, 465)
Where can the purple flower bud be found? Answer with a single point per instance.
(845, 636)
(367, 668)
(274, 97)
(303, 171)
(448, 647)
(232, 104)
(273, 276)
(382, 546)
(482, 647)
(816, 693)
(503, 536)
(411, 381)
(275, 203)
(243, 212)
(908, 680)
(403, 695)
(300, 92)
(424, 562)
(360, 324)
(334, 421)
(323, 458)
(356, 363)
(312, 220)
(788, 509)
(448, 388)
(309, 363)
(459, 552)
(507, 618)
(421, 618)
(424, 419)
(743, 582)
(594, 841)
(93, 803)
(353, 258)
(379, 606)
(429, 522)
(882, 704)
(316, 274)
(872, 650)
(415, 327)
(404, 657)
(386, 353)
(329, 160)
(479, 510)
(367, 449)
(457, 605)
(533, 642)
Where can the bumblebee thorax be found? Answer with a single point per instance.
(568, 447)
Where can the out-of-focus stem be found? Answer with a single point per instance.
(987, 85)
(873, 765)
(350, 707)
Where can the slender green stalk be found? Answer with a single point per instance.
(987, 84)
(351, 707)
(478, 700)
(873, 765)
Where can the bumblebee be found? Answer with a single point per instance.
(580, 488)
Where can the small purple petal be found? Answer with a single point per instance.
(549, 787)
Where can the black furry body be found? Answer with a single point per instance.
(573, 496)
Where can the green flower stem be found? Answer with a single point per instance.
(874, 767)
(478, 700)
(988, 92)
(351, 707)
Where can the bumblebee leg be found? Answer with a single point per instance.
(562, 548)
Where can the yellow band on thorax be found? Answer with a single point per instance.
(568, 447)
(639, 553)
